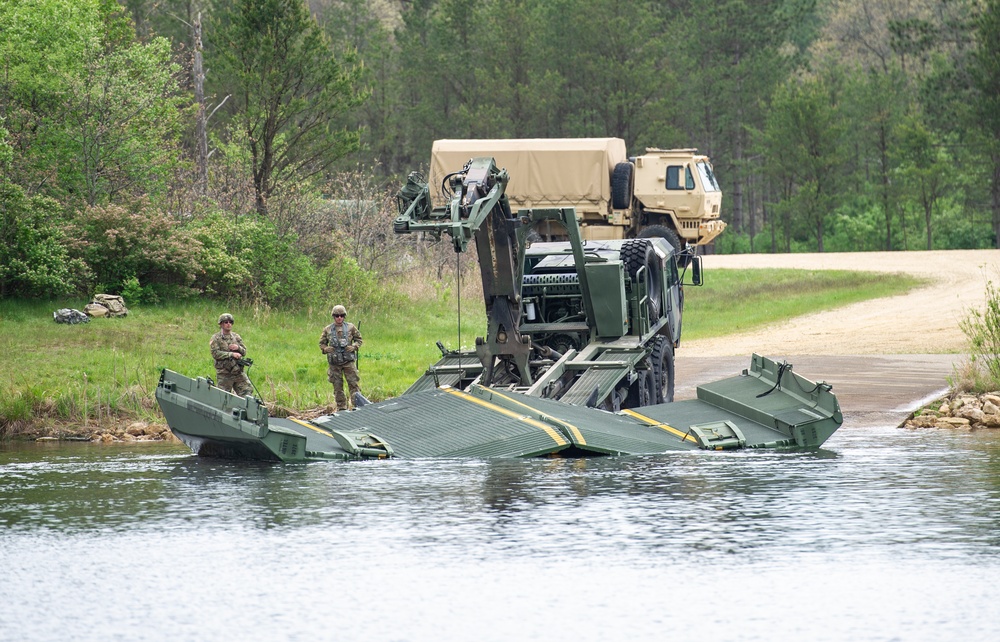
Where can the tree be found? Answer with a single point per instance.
(291, 93)
(122, 119)
(986, 100)
(33, 259)
(93, 113)
(360, 25)
(740, 52)
(879, 100)
(802, 141)
(924, 167)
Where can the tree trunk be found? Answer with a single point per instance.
(201, 132)
(995, 198)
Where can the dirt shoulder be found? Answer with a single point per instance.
(923, 321)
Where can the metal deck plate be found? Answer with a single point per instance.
(450, 423)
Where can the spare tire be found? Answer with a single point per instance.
(622, 186)
(638, 253)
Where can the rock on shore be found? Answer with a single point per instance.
(964, 411)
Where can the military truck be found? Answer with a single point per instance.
(575, 329)
(590, 323)
(668, 193)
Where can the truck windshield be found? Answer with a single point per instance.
(708, 177)
(674, 173)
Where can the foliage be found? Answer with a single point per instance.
(93, 112)
(245, 259)
(803, 140)
(981, 371)
(833, 126)
(291, 94)
(34, 260)
(119, 243)
(347, 283)
(986, 102)
(360, 214)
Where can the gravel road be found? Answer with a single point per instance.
(884, 357)
(923, 321)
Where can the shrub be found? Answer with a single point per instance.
(34, 259)
(119, 243)
(981, 370)
(347, 283)
(245, 258)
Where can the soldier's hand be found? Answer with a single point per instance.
(350, 348)
(236, 355)
(327, 349)
(234, 347)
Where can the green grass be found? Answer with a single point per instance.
(106, 370)
(733, 301)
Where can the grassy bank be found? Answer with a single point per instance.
(103, 373)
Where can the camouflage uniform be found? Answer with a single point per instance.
(229, 374)
(343, 363)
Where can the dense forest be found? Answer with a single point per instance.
(251, 149)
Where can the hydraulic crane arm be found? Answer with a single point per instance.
(479, 209)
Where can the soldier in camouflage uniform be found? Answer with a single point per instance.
(227, 349)
(340, 342)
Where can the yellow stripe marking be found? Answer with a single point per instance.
(325, 433)
(576, 431)
(658, 424)
(549, 430)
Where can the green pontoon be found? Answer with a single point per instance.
(767, 406)
(578, 357)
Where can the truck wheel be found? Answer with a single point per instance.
(622, 186)
(662, 231)
(637, 253)
(614, 401)
(641, 392)
(663, 369)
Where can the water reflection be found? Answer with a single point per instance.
(881, 512)
(905, 491)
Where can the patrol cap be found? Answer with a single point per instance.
(225, 316)
(338, 309)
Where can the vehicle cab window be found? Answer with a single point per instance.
(708, 177)
(678, 173)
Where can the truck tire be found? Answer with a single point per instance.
(662, 231)
(614, 401)
(637, 253)
(663, 369)
(641, 392)
(622, 186)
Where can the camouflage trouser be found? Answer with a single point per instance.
(238, 383)
(336, 375)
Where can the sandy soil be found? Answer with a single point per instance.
(924, 321)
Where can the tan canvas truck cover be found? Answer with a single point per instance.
(544, 172)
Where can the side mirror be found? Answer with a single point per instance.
(694, 267)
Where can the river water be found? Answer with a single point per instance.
(885, 534)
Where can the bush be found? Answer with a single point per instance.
(981, 371)
(245, 258)
(34, 259)
(119, 243)
(349, 284)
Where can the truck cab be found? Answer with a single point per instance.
(676, 189)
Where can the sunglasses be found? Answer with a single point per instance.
(340, 316)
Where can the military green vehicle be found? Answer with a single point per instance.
(668, 193)
(592, 323)
(577, 359)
